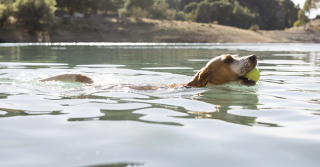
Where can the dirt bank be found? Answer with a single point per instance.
(147, 30)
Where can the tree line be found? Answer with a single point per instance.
(36, 15)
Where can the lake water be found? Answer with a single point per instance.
(275, 123)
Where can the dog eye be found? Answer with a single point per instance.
(229, 60)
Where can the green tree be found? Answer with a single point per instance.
(192, 16)
(6, 10)
(311, 4)
(183, 3)
(174, 4)
(170, 14)
(223, 12)
(105, 5)
(71, 5)
(190, 7)
(302, 19)
(139, 13)
(159, 9)
(34, 15)
(204, 12)
(89, 6)
(242, 17)
(290, 12)
(180, 16)
(143, 4)
(266, 11)
(273, 21)
(163, 6)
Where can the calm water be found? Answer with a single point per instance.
(275, 123)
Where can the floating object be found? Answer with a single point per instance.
(253, 75)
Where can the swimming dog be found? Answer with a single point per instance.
(219, 70)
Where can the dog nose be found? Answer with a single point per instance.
(253, 57)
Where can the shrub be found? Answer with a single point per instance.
(204, 12)
(159, 9)
(190, 7)
(191, 17)
(156, 13)
(124, 12)
(6, 10)
(297, 23)
(180, 16)
(254, 27)
(163, 6)
(138, 13)
(302, 19)
(143, 4)
(223, 12)
(242, 17)
(170, 14)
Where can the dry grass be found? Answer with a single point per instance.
(148, 30)
(297, 34)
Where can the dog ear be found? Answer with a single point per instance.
(227, 59)
(200, 78)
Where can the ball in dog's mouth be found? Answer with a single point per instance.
(253, 75)
(251, 78)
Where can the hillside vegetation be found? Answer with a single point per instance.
(149, 30)
(152, 20)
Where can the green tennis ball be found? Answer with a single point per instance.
(254, 74)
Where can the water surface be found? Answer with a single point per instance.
(275, 123)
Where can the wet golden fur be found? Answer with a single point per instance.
(219, 70)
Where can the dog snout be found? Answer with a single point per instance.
(253, 58)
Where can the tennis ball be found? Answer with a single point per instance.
(254, 74)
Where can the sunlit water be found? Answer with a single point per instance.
(275, 123)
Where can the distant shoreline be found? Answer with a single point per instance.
(148, 30)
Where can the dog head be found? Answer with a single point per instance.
(225, 69)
